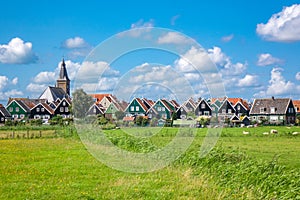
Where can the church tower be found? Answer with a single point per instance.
(63, 80)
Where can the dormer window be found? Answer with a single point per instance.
(273, 110)
(203, 106)
(262, 110)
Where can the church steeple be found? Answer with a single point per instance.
(63, 80)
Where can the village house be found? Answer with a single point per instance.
(273, 111)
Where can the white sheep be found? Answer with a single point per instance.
(245, 132)
(273, 131)
(295, 133)
(265, 133)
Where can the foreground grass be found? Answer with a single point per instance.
(240, 167)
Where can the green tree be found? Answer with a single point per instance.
(81, 103)
(139, 120)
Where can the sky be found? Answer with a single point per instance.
(254, 45)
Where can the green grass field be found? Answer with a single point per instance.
(253, 166)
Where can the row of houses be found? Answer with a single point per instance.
(230, 110)
(57, 101)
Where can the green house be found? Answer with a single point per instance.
(136, 107)
(162, 109)
(18, 109)
(110, 111)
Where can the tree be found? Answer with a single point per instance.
(81, 103)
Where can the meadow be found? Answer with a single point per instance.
(58, 166)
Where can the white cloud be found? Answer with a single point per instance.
(227, 38)
(283, 26)
(36, 88)
(75, 43)
(15, 81)
(248, 81)
(45, 77)
(173, 38)
(298, 76)
(17, 52)
(278, 85)
(3, 82)
(195, 60)
(227, 68)
(10, 93)
(138, 28)
(266, 59)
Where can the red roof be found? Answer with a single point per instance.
(297, 105)
(142, 104)
(99, 97)
(234, 101)
(128, 118)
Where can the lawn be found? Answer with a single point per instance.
(239, 167)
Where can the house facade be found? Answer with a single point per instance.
(4, 114)
(136, 108)
(203, 108)
(273, 111)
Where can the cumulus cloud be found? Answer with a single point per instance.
(298, 76)
(74, 43)
(36, 88)
(278, 85)
(45, 77)
(173, 38)
(6, 89)
(227, 68)
(227, 38)
(266, 59)
(248, 81)
(17, 52)
(283, 26)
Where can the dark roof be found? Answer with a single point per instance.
(280, 105)
(56, 93)
(4, 112)
(63, 74)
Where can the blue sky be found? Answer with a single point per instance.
(243, 37)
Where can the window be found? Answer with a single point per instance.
(94, 110)
(22, 116)
(223, 111)
(158, 108)
(36, 117)
(238, 107)
(213, 109)
(273, 118)
(64, 103)
(203, 106)
(137, 108)
(61, 109)
(272, 110)
(37, 109)
(229, 111)
(17, 109)
(2, 119)
(199, 113)
(163, 109)
(43, 109)
(66, 109)
(261, 110)
(131, 108)
(181, 109)
(291, 110)
(10, 109)
(206, 113)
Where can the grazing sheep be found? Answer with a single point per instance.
(273, 131)
(245, 132)
(265, 133)
(295, 133)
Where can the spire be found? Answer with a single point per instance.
(63, 75)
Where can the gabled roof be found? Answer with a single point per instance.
(46, 106)
(142, 104)
(53, 93)
(99, 97)
(297, 105)
(280, 104)
(21, 103)
(200, 102)
(98, 107)
(4, 112)
(227, 103)
(174, 102)
(235, 101)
